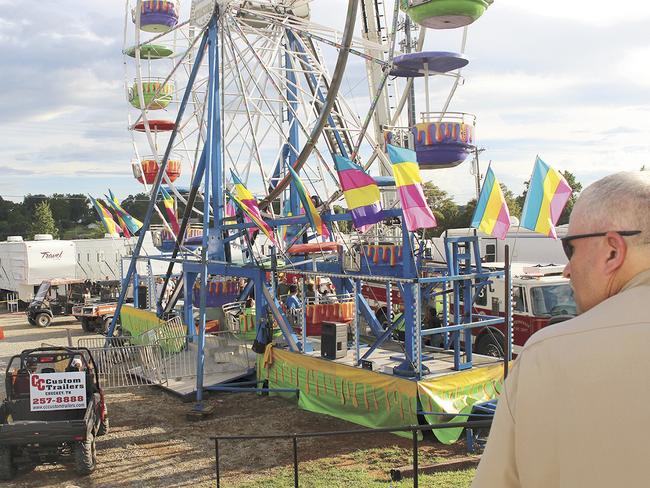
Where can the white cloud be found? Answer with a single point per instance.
(634, 66)
(596, 12)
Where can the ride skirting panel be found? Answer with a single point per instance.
(378, 400)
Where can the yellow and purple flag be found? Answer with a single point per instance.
(106, 217)
(548, 193)
(168, 203)
(247, 202)
(417, 213)
(361, 193)
(313, 216)
(127, 223)
(491, 215)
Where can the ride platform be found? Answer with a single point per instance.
(377, 398)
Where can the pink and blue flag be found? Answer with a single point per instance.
(417, 213)
(491, 215)
(361, 193)
(548, 193)
(168, 203)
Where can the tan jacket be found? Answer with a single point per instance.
(574, 412)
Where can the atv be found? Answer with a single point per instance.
(53, 298)
(54, 410)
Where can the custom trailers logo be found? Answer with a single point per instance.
(51, 255)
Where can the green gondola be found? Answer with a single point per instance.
(155, 96)
(445, 14)
(151, 51)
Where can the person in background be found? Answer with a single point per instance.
(326, 297)
(311, 290)
(293, 301)
(75, 365)
(553, 425)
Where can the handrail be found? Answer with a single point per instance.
(414, 429)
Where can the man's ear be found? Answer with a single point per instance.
(616, 249)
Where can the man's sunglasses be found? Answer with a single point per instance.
(568, 247)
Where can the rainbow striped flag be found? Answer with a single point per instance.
(361, 193)
(417, 213)
(247, 202)
(491, 215)
(310, 209)
(125, 229)
(106, 217)
(126, 220)
(547, 195)
(168, 203)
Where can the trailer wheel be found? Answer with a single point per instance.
(491, 345)
(85, 456)
(87, 325)
(106, 324)
(43, 320)
(7, 467)
(382, 317)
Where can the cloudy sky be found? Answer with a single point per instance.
(568, 80)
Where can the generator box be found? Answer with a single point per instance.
(334, 340)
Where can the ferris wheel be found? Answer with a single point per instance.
(276, 76)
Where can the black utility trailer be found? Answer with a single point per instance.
(54, 410)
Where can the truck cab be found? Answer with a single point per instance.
(540, 296)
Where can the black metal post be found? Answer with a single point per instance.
(295, 462)
(415, 458)
(507, 304)
(216, 456)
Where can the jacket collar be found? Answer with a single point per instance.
(641, 279)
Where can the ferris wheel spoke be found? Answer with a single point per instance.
(255, 153)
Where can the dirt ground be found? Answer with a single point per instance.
(152, 444)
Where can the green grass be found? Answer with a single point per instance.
(315, 475)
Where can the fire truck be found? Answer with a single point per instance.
(540, 296)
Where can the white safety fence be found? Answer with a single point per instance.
(156, 358)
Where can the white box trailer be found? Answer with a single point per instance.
(99, 259)
(25, 264)
(525, 246)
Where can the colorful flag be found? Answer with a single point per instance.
(133, 224)
(417, 213)
(361, 193)
(168, 202)
(110, 202)
(547, 195)
(310, 209)
(106, 217)
(247, 202)
(286, 212)
(491, 215)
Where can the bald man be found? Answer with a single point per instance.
(573, 410)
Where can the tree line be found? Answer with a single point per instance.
(72, 216)
(65, 216)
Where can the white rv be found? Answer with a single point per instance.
(25, 264)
